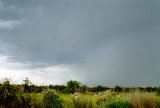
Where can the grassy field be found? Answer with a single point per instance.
(75, 96)
(105, 99)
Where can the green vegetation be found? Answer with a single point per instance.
(83, 101)
(117, 103)
(8, 93)
(72, 86)
(75, 95)
(51, 100)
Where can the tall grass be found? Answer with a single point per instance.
(83, 101)
(33, 100)
(67, 101)
(144, 100)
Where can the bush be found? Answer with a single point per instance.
(117, 103)
(8, 93)
(24, 101)
(51, 100)
(158, 91)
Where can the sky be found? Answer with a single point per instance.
(105, 42)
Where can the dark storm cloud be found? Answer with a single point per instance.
(108, 42)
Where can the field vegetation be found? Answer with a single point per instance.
(76, 95)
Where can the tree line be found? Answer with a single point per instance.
(75, 86)
(19, 95)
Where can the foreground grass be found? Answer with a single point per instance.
(30, 96)
(67, 101)
(105, 99)
(112, 100)
(144, 100)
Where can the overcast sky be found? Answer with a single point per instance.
(107, 42)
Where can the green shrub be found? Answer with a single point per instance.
(24, 101)
(51, 100)
(8, 96)
(117, 103)
(158, 91)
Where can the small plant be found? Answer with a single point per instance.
(51, 100)
(117, 103)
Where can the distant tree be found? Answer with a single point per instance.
(140, 88)
(150, 89)
(27, 84)
(126, 89)
(84, 88)
(99, 88)
(60, 87)
(118, 89)
(72, 86)
(57, 87)
(27, 81)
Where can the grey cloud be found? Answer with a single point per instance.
(108, 42)
(125, 61)
(8, 24)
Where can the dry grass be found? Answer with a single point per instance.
(143, 100)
